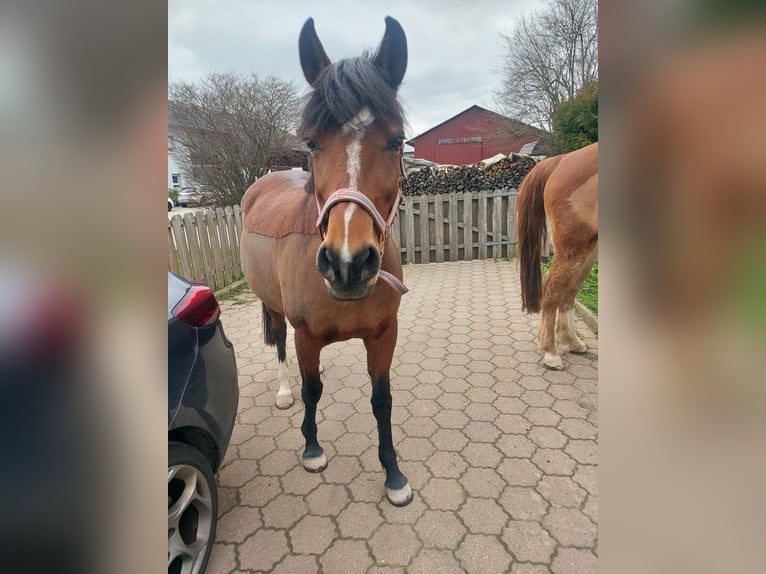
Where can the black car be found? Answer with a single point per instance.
(202, 406)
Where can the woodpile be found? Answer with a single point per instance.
(500, 172)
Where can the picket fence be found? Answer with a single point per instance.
(204, 246)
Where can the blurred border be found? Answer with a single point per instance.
(682, 286)
(83, 128)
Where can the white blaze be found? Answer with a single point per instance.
(354, 130)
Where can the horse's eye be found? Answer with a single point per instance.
(395, 143)
(312, 144)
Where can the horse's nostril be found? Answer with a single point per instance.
(368, 262)
(324, 263)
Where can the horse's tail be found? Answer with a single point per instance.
(268, 334)
(531, 232)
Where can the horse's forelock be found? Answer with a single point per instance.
(343, 89)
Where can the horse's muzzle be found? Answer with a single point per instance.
(349, 277)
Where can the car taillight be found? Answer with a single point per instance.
(199, 307)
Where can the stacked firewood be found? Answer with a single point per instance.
(505, 172)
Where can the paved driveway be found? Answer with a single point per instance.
(501, 454)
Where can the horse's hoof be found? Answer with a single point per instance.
(553, 362)
(399, 496)
(315, 463)
(284, 401)
(581, 350)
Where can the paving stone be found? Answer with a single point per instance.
(482, 483)
(228, 498)
(415, 448)
(542, 416)
(283, 511)
(238, 524)
(262, 550)
(578, 429)
(554, 461)
(481, 431)
(515, 424)
(587, 477)
(443, 494)
(523, 503)
(223, 559)
(451, 419)
(439, 529)
(341, 470)
(328, 499)
(570, 527)
(347, 557)
(516, 446)
(259, 491)
(312, 535)
(278, 463)
(394, 544)
(483, 516)
(295, 564)
(368, 486)
(482, 554)
(519, 568)
(528, 541)
(547, 437)
(519, 472)
(561, 491)
(574, 561)
(583, 451)
(432, 561)
(446, 464)
(482, 455)
(359, 520)
(238, 473)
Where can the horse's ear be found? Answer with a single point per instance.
(313, 57)
(391, 56)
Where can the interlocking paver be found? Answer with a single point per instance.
(500, 452)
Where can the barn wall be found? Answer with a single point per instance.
(473, 123)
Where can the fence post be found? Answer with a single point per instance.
(235, 265)
(191, 234)
(482, 225)
(497, 227)
(225, 242)
(409, 228)
(215, 244)
(512, 225)
(172, 257)
(439, 229)
(453, 239)
(468, 226)
(425, 237)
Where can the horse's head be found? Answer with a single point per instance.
(353, 126)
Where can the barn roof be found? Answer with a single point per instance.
(474, 107)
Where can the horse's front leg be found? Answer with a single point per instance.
(307, 348)
(380, 352)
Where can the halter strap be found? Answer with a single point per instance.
(392, 281)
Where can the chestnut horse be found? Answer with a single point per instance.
(565, 189)
(316, 249)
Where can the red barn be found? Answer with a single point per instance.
(473, 135)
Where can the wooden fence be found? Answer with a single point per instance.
(204, 246)
(430, 228)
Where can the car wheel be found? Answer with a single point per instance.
(192, 509)
(170, 206)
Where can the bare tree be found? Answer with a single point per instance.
(227, 130)
(550, 56)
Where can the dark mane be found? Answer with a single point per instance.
(343, 89)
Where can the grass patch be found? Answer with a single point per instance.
(588, 294)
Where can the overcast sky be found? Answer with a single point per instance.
(455, 48)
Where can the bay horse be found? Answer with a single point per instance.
(315, 248)
(565, 189)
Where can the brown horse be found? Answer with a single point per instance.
(565, 189)
(316, 249)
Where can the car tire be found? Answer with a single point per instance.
(170, 207)
(192, 509)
